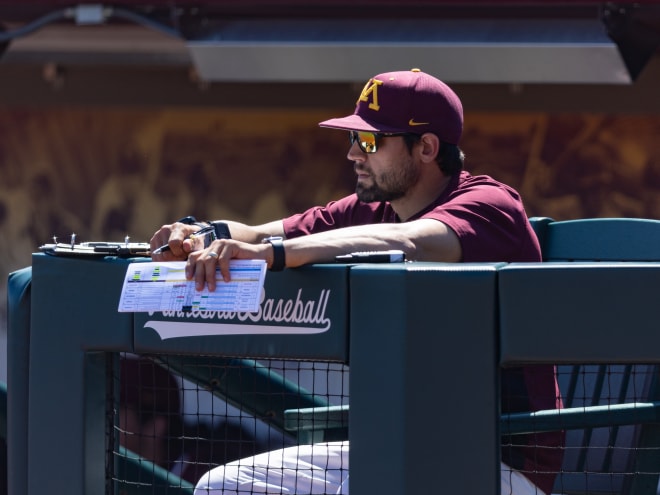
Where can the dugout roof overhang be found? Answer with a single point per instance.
(344, 41)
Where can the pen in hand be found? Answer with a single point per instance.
(161, 249)
(209, 230)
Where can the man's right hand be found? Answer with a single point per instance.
(176, 237)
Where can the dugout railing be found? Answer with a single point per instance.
(421, 327)
(60, 423)
(593, 306)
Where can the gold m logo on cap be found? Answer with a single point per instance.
(371, 89)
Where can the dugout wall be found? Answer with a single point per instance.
(74, 325)
(424, 341)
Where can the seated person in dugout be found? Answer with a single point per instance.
(412, 194)
(150, 420)
(151, 423)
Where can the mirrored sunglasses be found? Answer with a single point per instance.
(369, 141)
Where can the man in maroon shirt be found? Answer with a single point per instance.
(412, 195)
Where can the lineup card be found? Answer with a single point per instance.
(162, 286)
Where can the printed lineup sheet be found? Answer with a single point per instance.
(163, 286)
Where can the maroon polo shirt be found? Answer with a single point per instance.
(490, 221)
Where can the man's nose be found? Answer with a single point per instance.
(355, 153)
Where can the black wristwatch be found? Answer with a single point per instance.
(279, 256)
(221, 230)
(190, 220)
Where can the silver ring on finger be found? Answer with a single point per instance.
(213, 254)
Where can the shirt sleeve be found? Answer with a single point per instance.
(490, 222)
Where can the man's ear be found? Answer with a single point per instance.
(430, 147)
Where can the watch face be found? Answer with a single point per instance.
(221, 230)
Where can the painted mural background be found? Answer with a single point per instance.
(107, 173)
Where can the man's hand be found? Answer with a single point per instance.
(201, 266)
(177, 239)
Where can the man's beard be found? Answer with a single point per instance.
(375, 193)
(390, 186)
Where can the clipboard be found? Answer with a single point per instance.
(98, 249)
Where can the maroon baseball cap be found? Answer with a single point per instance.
(402, 102)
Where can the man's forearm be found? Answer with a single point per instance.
(325, 246)
(421, 240)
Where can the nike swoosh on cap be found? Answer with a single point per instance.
(412, 122)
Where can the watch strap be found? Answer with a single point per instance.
(279, 255)
(221, 230)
